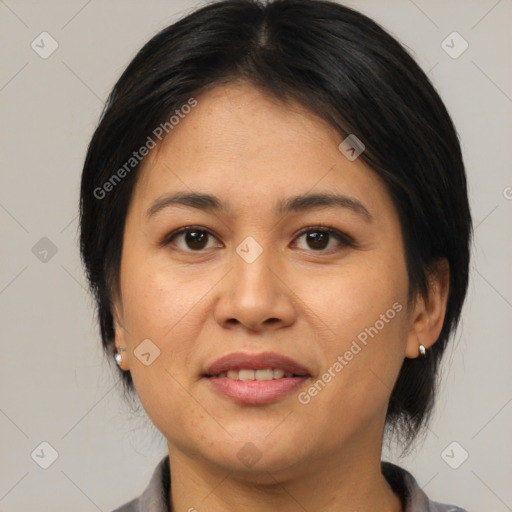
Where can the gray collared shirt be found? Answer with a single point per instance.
(155, 497)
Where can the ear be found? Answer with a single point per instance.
(120, 333)
(429, 311)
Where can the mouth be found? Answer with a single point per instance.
(255, 378)
(261, 364)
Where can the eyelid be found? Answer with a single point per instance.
(168, 238)
(344, 239)
(340, 235)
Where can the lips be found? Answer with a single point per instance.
(241, 361)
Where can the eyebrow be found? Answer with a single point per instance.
(299, 203)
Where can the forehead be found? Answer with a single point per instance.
(252, 148)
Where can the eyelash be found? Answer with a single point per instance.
(344, 239)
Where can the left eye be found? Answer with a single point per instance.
(318, 239)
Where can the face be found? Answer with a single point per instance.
(320, 282)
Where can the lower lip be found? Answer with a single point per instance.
(255, 391)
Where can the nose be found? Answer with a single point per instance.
(255, 295)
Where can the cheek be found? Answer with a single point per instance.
(355, 298)
(158, 302)
(163, 308)
(364, 347)
(168, 307)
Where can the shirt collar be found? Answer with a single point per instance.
(155, 497)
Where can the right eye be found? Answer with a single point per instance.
(189, 239)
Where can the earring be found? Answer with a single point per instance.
(119, 357)
(423, 352)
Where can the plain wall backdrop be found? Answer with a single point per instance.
(55, 385)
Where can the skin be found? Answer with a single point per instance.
(309, 304)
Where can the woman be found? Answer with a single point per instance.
(275, 225)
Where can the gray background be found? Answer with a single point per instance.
(56, 386)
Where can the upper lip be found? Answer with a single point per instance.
(240, 360)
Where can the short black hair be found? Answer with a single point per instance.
(343, 67)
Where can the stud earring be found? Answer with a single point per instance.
(119, 357)
(423, 352)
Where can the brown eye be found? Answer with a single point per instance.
(196, 239)
(324, 239)
(190, 239)
(318, 240)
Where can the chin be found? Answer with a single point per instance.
(254, 457)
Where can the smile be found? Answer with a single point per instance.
(261, 375)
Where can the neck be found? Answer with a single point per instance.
(343, 483)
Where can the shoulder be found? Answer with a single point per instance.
(131, 506)
(413, 497)
(155, 497)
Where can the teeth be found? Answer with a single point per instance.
(278, 374)
(246, 375)
(266, 374)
